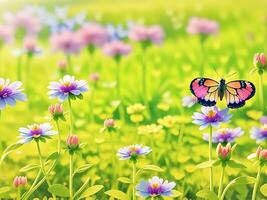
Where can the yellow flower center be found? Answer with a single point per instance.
(133, 149)
(155, 185)
(211, 113)
(1, 87)
(68, 83)
(264, 127)
(223, 131)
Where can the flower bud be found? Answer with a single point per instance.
(109, 123)
(263, 155)
(94, 77)
(260, 60)
(62, 65)
(73, 142)
(258, 151)
(224, 153)
(20, 181)
(57, 112)
(263, 120)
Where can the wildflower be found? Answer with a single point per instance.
(259, 134)
(30, 46)
(151, 34)
(260, 155)
(202, 26)
(57, 112)
(6, 34)
(260, 61)
(150, 129)
(10, 93)
(189, 101)
(224, 135)
(155, 187)
(66, 41)
(36, 131)
(72, 143)
(20, 181)
(94, 77)
(224, 153)
(168, 121)
(136, 112)
(211, 116)
(263, 120)
(109, 125)
(116, 49)
(132, 152)
(67, 87)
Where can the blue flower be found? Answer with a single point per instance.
(211, 116)
(224, 135)
(259, 134)
(155, 187)
(10, 93)
(36, 131)
(67, 87)
(133, 151)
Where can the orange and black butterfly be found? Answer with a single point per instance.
(208, 91)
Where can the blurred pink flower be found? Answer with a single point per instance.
(6, 34)
(62, 64)
(24, 19)
(204, 26)
(154, 34)
(66, 41)
(260, 60)
(117, 48)
(93, 34)
(94, 77)
(20, 181)
(30, 45)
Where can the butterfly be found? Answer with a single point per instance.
(208, 91)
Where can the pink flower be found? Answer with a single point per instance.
(66, 41)
(30, 45)
(224, 153)
(117, 48)
(62, 64)
(6, 34)
(26, 20)
(260, 60)
(153, 34)
(203, 26)
(93, 34)
(94, 77)
(73, 142)
(20, 181)
(57, 112)
(109, 123)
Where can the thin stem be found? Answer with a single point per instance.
(59, 138)
(68, 57)
(42, 167)
(19, 68)
(118, 80)
(71, 177)
(133, 177)
(221, 182)
(210, 159)
(71, 117)
(261, 93)
(18, 194)
(26, 194)
(92, 104)
(256, 184)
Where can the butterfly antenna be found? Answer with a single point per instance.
(217, 72)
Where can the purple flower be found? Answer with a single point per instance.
(224, 135)
(203, 26)
(263, 120)
(10, 93)
(259, 134)
(155, 187)
(67, 87)
(211, 116)
(116, 48)
(36, 131)
(189, 101)
(6, 34)
(133, 151)
(30, 46)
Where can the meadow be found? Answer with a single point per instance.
(134, 92)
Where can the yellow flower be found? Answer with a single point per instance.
(136, 109)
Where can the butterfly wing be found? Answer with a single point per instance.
(238, 92)
(206, 91)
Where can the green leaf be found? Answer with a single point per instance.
(207, 194)
(208, 164)
(82, 169)
(29, 167)
(59, 190)
(91, 191)
(235, 164)
(124, 180)
(5, 189)
(9, 150)
(150, 168)
(243, 180)
(117, 194)
(263, 189)
(52, 156)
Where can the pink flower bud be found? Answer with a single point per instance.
(263, 155)
(263, 120)
(258, 151)
(73, 142)
(20, 181)
(57, 111)
(94, 77)
(224, 153)
(62, 64)
(260, 60)
(30, 44)
(109, 123)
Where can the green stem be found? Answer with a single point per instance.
(256, 184)
(210, 159)
(18, 194)
(71, 177)
(261, 93)
(28, 193)
(92, 104)
(221, 183)
(19, 68)
(71, 117)
(133, 177)
(59, 139)
(118, 84)
(82, 188)
(68, 57)
(42, 167)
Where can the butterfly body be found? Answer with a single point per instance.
(208, 91)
